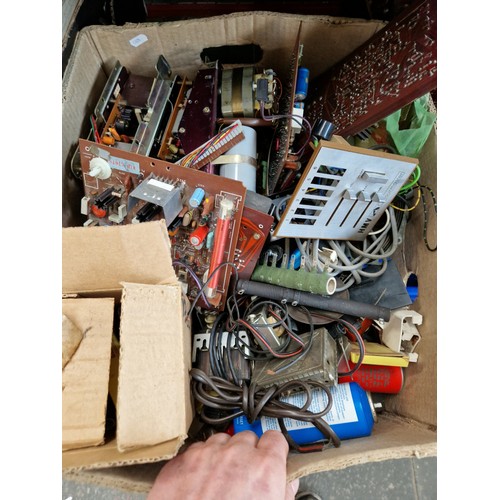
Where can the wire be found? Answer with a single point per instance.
(349, 326)
(431, 249)
(202, 289)
(415, 178)
(298, 119)
(255, 402)
(194, 276)
(419, 195)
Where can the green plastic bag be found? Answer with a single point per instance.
(409, 138)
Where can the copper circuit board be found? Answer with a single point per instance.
(129, 170)
(393, 68)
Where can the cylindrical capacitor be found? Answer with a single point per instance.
(210, 240)
(302, 84)
(352, 415)
(376, 378)
(196, 197)
(198, 235)
(244, 168)
(323, 129)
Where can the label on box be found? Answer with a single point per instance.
(342, 411)
(138, 40)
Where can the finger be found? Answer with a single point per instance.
(248, 438)
(291, 489)
(219, 438)
(275, 442)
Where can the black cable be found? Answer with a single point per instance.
(426, 213)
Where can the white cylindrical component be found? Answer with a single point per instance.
(244, 168)
(99, 168)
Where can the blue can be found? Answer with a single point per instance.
(302, 84)
(352, 415)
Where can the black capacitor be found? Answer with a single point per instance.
(323, 129)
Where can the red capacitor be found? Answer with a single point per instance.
(377, 378)
(198, 235)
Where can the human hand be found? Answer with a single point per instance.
(241, 467)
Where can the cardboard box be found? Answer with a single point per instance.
(132, 266)
(408, 428)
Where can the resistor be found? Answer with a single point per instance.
(208, 205)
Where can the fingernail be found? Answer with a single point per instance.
(295, 485)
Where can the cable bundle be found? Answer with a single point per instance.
(254, 402)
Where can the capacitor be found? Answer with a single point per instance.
(108, 140)
(323, 129)
(210, 240)
(196, 197)
(186, 219)
(302, 84)
(352, 415)
(243, 166)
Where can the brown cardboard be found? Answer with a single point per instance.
(152, 370)
(153, 401)
(409, 427)
(85, 376)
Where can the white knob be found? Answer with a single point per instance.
(100, 168)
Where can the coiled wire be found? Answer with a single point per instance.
(255, 402)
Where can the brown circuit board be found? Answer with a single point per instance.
(130, 170)
(283, 131)
(392, 69)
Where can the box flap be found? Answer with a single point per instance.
(85, 376)
(153, 388)
(98, 258)
(107, 455)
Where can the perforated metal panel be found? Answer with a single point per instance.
(343, 192)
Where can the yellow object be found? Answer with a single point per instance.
(378, 354)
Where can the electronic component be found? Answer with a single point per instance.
(159, 192)
(391, 69)
(301, 279)
(254, 230)
(170, 186)
(280, 152)
(343, 192)
(240, 162)
(197, 124)
(320, 363)
(400, 333)
(295, 297)
(212, 150)
(221, 238)
(242, 90)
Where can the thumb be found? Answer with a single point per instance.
(291, 489)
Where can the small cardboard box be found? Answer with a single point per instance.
(408, 427)
(129, 265)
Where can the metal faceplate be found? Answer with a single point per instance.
(343, 193)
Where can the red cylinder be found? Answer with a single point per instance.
(377, 378)
(198, 235)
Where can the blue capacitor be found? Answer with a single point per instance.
(196, 197)
(210, 240)
(352, 415)
(302, 84)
